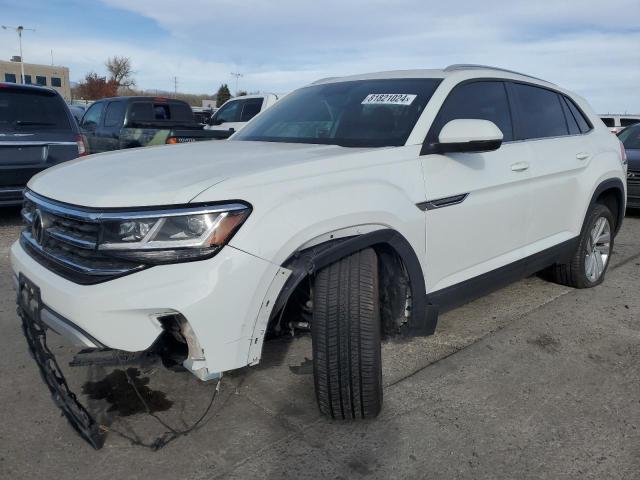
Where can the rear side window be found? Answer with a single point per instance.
(583, 124)
(625, 122)
(484, 100)
(22, 110)
(114, 114)
(250, 109)
(151, 112)
(181, 112)
(540, 113)
(609, 122)
(571, 121)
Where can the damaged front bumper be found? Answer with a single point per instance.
(219, 305)
(30, 311)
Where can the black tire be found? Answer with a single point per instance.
(573, 273)
(345, 332)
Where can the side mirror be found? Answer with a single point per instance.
(469, 136)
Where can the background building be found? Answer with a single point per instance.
(45, 75)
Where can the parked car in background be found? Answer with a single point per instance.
(356, 207)
(37, 131)
(617, 123)
(77, 111)
(129, 122)
(630, 138)
(236, 112)
(202, 115)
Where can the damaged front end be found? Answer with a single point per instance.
(29, 310)
(176, 348)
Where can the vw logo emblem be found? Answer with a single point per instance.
(37, 227)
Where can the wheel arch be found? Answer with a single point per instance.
(387, 242)
(610, 193)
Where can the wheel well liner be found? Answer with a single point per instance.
(608, 190)
(307, 262)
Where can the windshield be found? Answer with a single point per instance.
(363, 113)
(630, 137)
(23, 110)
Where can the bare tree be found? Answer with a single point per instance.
(120, 71)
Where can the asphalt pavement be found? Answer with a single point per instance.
(533, 381)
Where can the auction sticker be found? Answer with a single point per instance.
(389, 99)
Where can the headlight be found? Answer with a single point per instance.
(172, 235)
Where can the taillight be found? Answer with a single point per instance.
(623, 153)
(171, 141)
(82, 145)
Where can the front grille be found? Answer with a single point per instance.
(64, 239)
(633, 178)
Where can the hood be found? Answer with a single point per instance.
(166, 175)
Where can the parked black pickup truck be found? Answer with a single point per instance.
(128, 122)
(37, 131)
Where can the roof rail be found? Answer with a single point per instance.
(473, 66)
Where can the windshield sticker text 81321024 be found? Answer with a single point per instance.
(389, 99)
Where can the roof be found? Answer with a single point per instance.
(158, 98)
(461, 70)
(20, 86)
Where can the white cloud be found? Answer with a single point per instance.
(586, 45)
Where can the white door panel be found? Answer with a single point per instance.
(555, 190)
(488, 229)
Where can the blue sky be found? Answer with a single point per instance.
(587, 46)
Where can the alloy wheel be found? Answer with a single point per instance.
(598, 249)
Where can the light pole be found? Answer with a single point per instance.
(20, 29)
(237, 75)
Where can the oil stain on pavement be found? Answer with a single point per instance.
(122, 397)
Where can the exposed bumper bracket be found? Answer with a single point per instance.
(77, 415)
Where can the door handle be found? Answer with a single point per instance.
(583, 155)
(520, 166)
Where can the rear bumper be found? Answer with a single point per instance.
(11, 196)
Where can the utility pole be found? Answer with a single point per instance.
(19, 29)
(237, 75)
(175, 87)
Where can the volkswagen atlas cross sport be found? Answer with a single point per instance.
(358, 207)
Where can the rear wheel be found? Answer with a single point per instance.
(591, 259)
(345, 333)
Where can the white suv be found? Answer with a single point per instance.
(358, 207)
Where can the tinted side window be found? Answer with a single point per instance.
(583, 123)
(181, 112)
(114, 114)
(540, 113)
(484, 100)
(250, 109)
(571, 121)
(92, 116)
(609, 122)
(140, 112)
(229, 112)
(625, 122)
